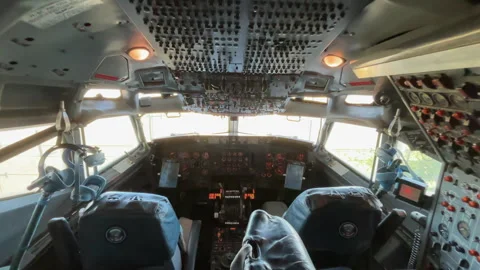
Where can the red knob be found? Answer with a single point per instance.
(473, 204)
(443, 137)
(476, 147)
(458, 116)
(426, 111)
(414, 108)
(459, 141)
(466, 199)
(473, 252)
(445, 204)
(440, 113)
(466, 132)
(448, 178)
(451, 208)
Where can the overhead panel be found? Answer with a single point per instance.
(274, 37)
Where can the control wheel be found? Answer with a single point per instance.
(227, 259)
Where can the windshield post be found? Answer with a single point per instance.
(233, 125)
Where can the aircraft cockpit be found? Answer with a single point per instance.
(228, 134)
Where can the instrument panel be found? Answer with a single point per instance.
(203, 160)
(447, 105)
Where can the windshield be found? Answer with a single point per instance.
(299, 128)
(166, 125)
(173, 124)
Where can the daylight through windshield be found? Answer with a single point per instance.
(165, 125)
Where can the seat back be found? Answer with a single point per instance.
(125, 230)
(336, 224)
(271, 243)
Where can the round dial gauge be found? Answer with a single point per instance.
(457, 100)
(414, 97)
(443, 230)
(464, 229)
(441, 100)
(426, 99)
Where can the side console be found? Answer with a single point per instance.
(447, 104)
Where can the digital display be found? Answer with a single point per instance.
(410, 193)
(214, 196)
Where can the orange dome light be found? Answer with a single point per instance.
(333, 61)
(139, 54)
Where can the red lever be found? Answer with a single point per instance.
(466, 199)
(440, 113)
(473, 252)
(451, 208)
(445, 204)
(448, 178)
(414, 108)
(473, 204)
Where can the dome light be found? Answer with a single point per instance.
(139, 54)
(333, 61)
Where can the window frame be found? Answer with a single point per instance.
(371, 177)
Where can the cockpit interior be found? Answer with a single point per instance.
(239, 134)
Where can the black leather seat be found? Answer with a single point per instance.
(124, 230)
(271, 243)
(336, 224)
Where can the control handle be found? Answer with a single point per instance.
(420, 218)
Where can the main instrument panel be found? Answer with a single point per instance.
(447, 105)
(206, 159)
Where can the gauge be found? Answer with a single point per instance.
(464, 229)
(441, 100)
(426, 99)
(458, 101)
(443, 230)
(414, 97)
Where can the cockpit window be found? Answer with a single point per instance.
(165, 125)
(19, 171)
(424, 166)
(354, 145)
(299, 128)
(10, 136)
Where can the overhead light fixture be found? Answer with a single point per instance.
(333, 61)
(139, 54)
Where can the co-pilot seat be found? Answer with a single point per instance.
(337, 225)
(134, 231)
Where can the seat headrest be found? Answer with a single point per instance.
(338, 219)
(271, 243)
(125, 230)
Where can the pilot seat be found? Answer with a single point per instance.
(125, 230)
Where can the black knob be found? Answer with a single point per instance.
(460, 249)
(446, 247)
(453, 243)
(464, 264)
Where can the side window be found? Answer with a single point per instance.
(114, 136)
(424, 166)
(354, 145)
(19, 171)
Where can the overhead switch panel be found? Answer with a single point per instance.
(275, 37)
